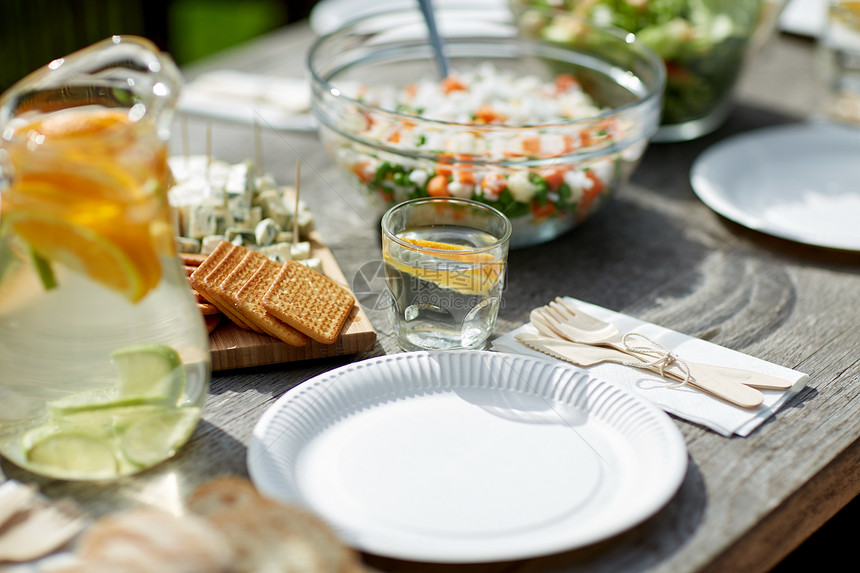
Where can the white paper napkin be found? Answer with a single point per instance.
(274, 102)
(686, 403)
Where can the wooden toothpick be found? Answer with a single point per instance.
(258, 147)
(296, 212)
(184, 127)
(208, 150)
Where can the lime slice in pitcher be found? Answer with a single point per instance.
(157, 437)
(113, 420)
(150, 371)
(71, 453)
(97, 399)
(150, 377)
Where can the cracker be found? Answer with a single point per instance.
(309, 301)
(198, 279)
(212, 321)
(213, 281)
(192, 259)
(207, 308)
(250, 303)
(198, 298)
(231, 285)
(205, 267)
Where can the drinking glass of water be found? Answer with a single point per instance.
(445, 261)
(839, 52)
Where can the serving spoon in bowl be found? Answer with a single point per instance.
(435, 38)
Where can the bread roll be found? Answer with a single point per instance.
(268, 536)
(230, 528)
(148, 540)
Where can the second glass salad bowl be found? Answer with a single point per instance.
(704, 44)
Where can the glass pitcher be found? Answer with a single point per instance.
(104, 357)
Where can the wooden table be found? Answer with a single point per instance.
(657, 253)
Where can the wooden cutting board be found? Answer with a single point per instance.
(233, 347)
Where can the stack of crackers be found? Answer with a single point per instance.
(288, 301)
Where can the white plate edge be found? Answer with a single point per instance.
(672, 482)
(717, 201)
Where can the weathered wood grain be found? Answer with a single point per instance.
(656, 252)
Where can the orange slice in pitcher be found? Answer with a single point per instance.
(73, 123)
(77, 199)
(84, 250)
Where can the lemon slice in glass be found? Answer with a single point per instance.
(157, 437)
(469, 273)
(424, 243)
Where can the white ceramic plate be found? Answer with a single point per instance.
(459, 457)
(798, 182)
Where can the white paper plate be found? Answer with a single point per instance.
(800, 182)
(459, 457)
(804, 17)
(329, 15)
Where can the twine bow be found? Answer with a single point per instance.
(660, 357)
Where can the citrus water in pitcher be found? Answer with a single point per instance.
(104, 361)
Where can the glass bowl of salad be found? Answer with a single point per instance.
(703, 43)
(545, 134)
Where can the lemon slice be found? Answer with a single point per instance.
(71, 454)
(478, 281)
(150, 371)
(460, 253)
(157, 437)
(434, 244)
(480, 272)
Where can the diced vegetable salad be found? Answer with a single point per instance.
(702, 42)
(498, 138)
